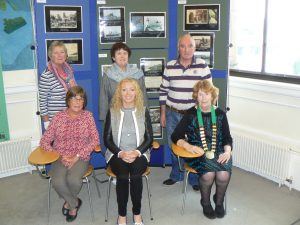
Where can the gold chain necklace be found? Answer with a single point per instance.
(209, 154)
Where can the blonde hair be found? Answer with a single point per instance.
(56, 44)
(116, 102)
(207, 87)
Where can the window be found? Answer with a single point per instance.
(265, 37)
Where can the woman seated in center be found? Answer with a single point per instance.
(128, 136)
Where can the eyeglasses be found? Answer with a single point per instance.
(77, 98)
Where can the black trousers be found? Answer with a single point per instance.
(124, 172)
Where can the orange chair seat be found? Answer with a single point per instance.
(110, 173)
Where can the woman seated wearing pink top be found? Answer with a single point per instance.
(73, 134)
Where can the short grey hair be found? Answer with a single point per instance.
(186, 35)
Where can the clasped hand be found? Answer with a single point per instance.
(129, 156)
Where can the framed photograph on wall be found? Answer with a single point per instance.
(147, 25)
(201, 17)
(63, 18)
(111, 24)
(74, 48)
(204, 46)
(153, 69)
(155, 121)
(104, 68)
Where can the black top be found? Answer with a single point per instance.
(111, 144)
(188, 129)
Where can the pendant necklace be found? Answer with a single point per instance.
(209, 154)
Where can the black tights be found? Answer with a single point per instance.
(124, 171)
(221, 178)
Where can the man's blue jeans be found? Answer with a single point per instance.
(173, 119)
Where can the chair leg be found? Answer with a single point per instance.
(225, 203)
(107, 200)
(149, 196)
(96, 182)
(184, 193)
(49, 192)
(90, 198)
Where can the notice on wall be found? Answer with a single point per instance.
(4, 131)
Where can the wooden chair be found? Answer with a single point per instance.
(85, 180)
(110, 174)
(97, 149)
(40, 157)
(182, 153)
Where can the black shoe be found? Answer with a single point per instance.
(169, 182)
(64, 210)
(220, 211)
(71, 218)
(196, 187)
(208, 211)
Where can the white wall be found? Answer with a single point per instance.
(21, 93)
(268, 111)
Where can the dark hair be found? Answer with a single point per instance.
(76, 91)
(117, 46)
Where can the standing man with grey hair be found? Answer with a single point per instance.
(175, 96)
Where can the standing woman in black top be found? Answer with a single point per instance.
(205, 130)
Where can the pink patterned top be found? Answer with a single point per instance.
(71, 136)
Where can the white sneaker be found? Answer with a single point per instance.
(141, 223)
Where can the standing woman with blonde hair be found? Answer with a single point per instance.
(128, 136)
(54, 82)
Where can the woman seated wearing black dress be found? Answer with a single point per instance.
(204, 130)
(128, 137)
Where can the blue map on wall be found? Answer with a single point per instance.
(16, 35)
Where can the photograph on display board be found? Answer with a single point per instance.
(201, 17)
(205, 47)
(63, 18)
(104, 69)
(111, 24)
(155, 121)
(153, 69)
(74, 48)
(147, 25)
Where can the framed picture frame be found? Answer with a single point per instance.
(201, 17)
(63, 18)
(154, 112)
(104, 68)
(204, 46)
(74, 48)
(112, 24)
(153, 69)
(147, 24)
